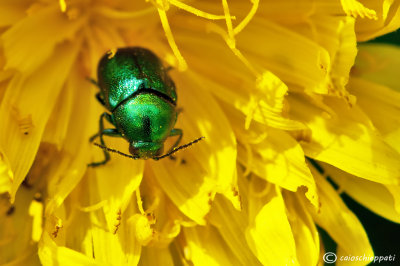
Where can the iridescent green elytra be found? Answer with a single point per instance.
(141, 99)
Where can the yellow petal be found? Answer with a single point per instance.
(109, 249)
(304, 230)
(10, 12)
(27, 38)
(268, 220)
(340, 222)
(377, 64)
(16, 229)
(23, 119)
(51, 254)
(356, 9)
(116, 183)
(347, 140)
(382, 105)
(210, 164)
(279, 159)
(6, 175)
(387, 19)
(332, 34)
(336, 35)
(61, 118)
(153, 202)
(70, 163)
(205, 246)
(231, 224)
(85, 230)
(261, 100)
(374, 196)
(288, 12)
(395, 190)
(304, 64)
(156, 256)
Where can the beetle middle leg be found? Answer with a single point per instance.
(112, 132)
(175, 132)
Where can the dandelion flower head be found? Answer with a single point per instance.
(281, 91)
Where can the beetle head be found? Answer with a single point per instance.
(146, 150)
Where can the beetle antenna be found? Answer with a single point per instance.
(115, 151)
(155, 158)
(184, 146)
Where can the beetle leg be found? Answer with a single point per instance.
(109, 118)
(93, 81)
(100, 99)
(112, 132)
(175, 132)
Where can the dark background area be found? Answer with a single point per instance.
(383, 234)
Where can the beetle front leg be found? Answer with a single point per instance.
(112, 132)
(175, 132)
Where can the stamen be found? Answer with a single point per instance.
(93, 207)
(139, 201)
(63, 5)
(228, 22)
(170, 38)
(248, 17)
(230, 37)
(196, 11)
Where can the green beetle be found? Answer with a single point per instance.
(141, 99)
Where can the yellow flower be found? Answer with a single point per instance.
(267, 83)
